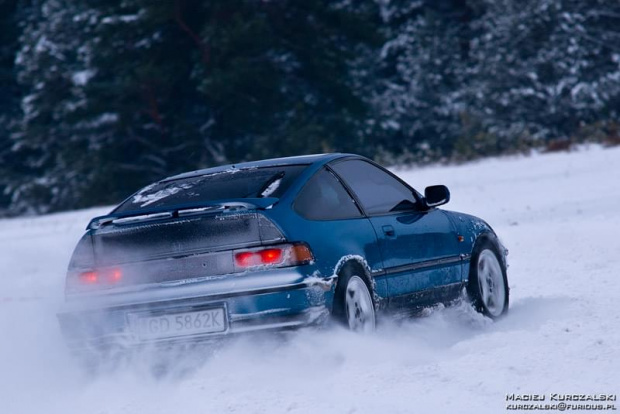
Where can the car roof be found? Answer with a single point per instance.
(297, 160)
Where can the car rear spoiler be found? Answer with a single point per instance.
(134, 216)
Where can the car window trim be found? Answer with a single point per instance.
(416, 195)
(348, 189)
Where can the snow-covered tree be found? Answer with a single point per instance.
(100, 97)
(9, 91)
(280, 74)
(544, 68)
(424, 66)
(47, 154)
(118, 94)
(474, 78)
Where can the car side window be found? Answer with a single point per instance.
(377, 191)
(324, 198)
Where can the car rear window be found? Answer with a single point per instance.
(233, 183)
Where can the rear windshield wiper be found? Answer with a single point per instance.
(181, 211)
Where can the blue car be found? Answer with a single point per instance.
(274, 244)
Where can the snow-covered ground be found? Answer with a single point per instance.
(559, 214)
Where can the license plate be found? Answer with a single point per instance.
(178, 324)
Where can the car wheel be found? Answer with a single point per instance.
(353, 304)
(488, 284)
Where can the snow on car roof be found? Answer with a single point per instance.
(301, 159)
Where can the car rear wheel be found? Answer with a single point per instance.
(359, 307)
(353, 304)
(488, 283)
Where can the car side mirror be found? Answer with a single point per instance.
(436, 195)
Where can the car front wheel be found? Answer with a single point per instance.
(488, 283)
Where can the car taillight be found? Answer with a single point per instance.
(116, 276)
(100, 277)
(88, 278)
(246, 259)
(277, 256)
(270, 256)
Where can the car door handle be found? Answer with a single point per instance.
(388, 231)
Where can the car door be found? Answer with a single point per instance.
(419, 247)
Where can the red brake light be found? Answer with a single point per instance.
(245, 259)
(92, 277)
(89, 278)
(258, 258)
(270, 256)
(115, 276)
(282, 256)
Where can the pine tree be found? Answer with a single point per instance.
(544, 68)
(424, 66)
(280, 75)
(117, 95)
(50, 155)
(9, 92)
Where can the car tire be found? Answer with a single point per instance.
(354, 306)
(487, 287)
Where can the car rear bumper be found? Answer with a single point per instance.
(106, 320)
